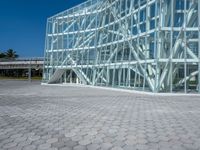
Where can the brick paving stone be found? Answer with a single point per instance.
(15, 148)
(141, 147)
(29, 147)
(129, 147)
(190, 146)
(108, 139)
(130, 142)
(10, 145)
(20, 139)
(71, 143)
(71, 134)
(97, 140)
(80, 147)
(84, 142)
(118, 143)
(16, 135)
(178, 147)
(141, 141)
(76, 138)
(53, 148)
(59, 144)
(116, 148)
(3, 136)
(93, 147)
(93, 133)
(52, 140)
(44, 146)
(66, 148)
(34, 138)
(24, 143)
(106, 146)
(38, 142)
(46, 136)
(131, 137)
(73, 117)
(153, 140)
(5, 141)
(29, 134)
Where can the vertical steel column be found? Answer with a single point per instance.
(199, 46)
(185, 53)
(46, 47)
(94, 69)
(63, 49)
(65, 77)
(146, 40)
(71, 76)
(171, 45)
(138, 41)
(156, 78)
(107, 76)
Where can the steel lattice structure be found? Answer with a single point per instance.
(151, 45)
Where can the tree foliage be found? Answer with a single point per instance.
(9, 54)
(2, 55)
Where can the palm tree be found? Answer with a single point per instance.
(2, 55)
(11, 54)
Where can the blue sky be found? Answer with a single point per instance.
(23, 23)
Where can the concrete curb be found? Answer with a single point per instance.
(132, 91)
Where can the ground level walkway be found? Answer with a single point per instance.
(66, 117)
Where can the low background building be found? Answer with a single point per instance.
(24, 68)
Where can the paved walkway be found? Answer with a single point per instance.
(79, 118)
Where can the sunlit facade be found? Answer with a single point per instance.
(149, 45)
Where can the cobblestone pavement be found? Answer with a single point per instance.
(64, 118)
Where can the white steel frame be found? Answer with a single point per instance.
(151, 45)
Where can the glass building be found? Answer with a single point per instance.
(150, 45)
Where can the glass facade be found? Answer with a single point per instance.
(150, 45)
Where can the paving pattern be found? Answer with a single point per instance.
(79, 118)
